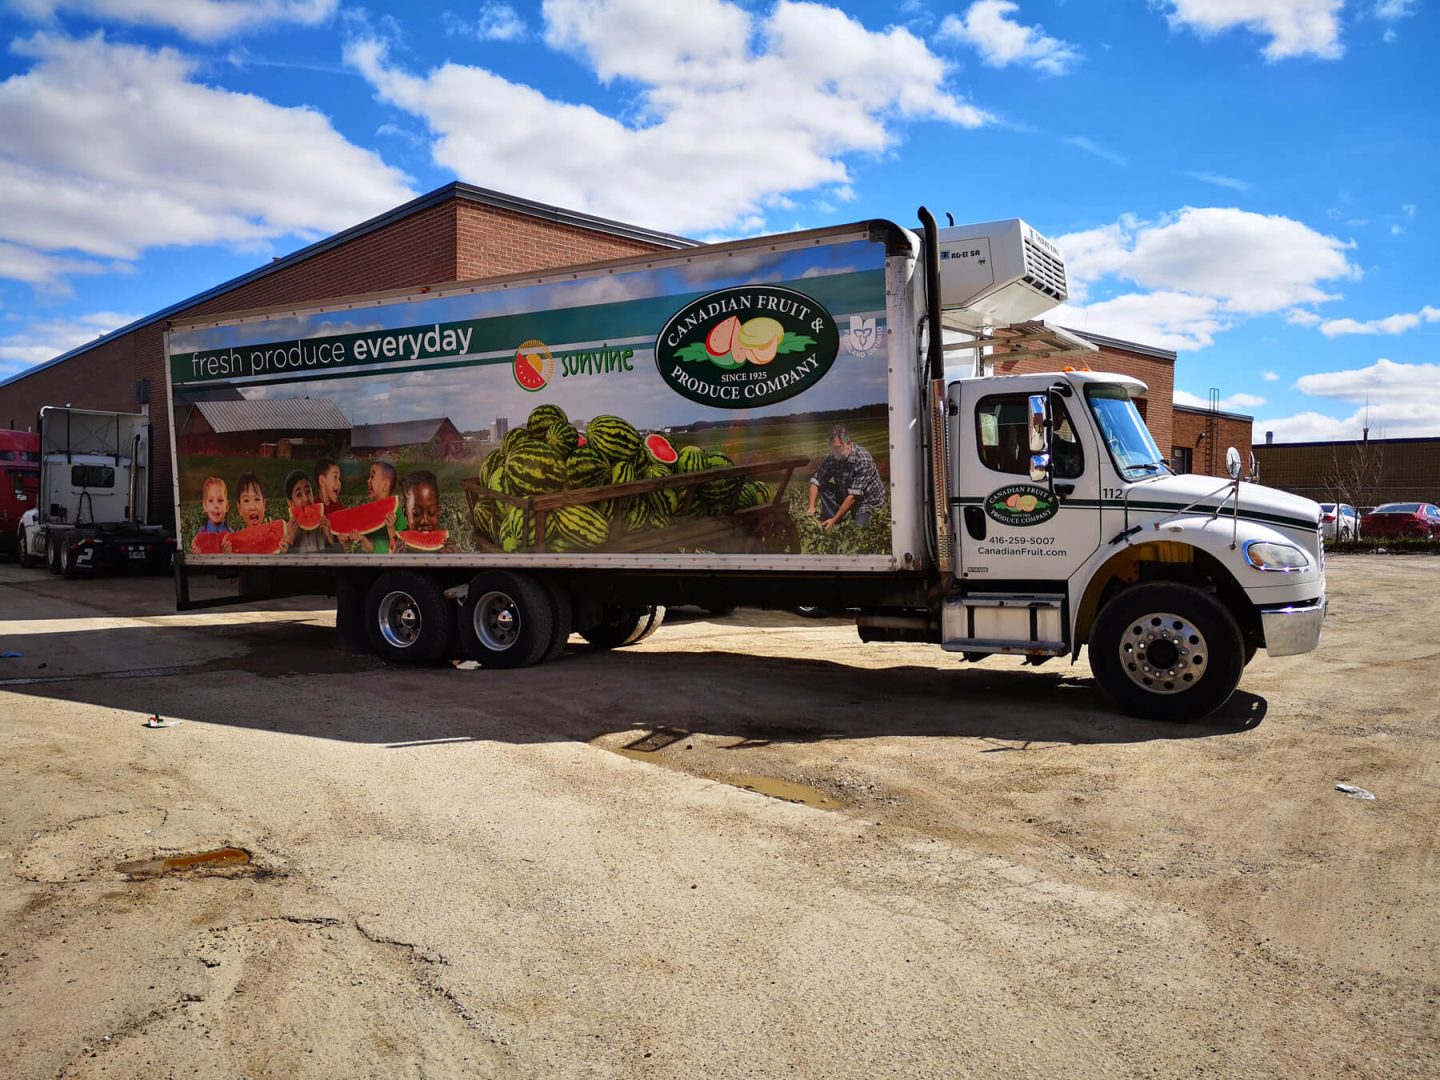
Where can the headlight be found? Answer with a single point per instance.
(1268, 555)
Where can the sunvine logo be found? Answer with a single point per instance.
(748, 346)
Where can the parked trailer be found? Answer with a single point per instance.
(93, 492)
(766, 423)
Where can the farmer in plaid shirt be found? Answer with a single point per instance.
(847, 482)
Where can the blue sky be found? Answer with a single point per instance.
(1249, 182)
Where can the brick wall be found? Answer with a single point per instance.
(1158, 404)
(1208, 435)
(1362, 474)
(453, 240)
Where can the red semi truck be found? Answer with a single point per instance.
(19, 483)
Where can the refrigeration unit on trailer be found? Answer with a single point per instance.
(488, 466)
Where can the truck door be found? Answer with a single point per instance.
(1013, 532)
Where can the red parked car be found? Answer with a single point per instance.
(1402, 519)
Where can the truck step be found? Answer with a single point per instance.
(1032, 624)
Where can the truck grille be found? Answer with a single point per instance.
(1043, 271)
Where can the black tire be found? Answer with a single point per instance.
(66, 559)
(26, 559)
(621, 626)
(350, 613)
(507, 620)
(722, 612)
(52, 553)
(562, 615)
(810, 611)
(1166, 652)
(407, 618)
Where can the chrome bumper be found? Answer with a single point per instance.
(1294, 629)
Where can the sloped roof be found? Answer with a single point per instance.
(455, 190)
(407, 433)
(295, 414)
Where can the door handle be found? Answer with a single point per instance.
(974, 522)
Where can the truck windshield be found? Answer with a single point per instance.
(1130, 443)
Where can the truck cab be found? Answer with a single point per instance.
(19, 483)
(1070, 528)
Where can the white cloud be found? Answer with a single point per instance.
(988, 27)
(1218, 179)
(1270, 376)
(1090, 146)
(1250, 263)
(1391, 10)
(495, 22)
(107, 150)
(1301, 317)
(1295, 27)
(1233, 403)
(731, 110)
(1393, 324)
(200, 20)
(36, 268)
(1395, 400)
(41, 341)
(1163, 320)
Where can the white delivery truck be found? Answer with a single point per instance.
(91, 513)
(492, 465)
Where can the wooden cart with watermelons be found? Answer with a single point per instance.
(726, 508)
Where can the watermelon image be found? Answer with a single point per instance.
(614, 437)
(534, 469)
(365, 518)
(514, 534)
(690, 459)
(663, 501)
(424, 541)
(487, 519)
(562, 437)
(622, 472)
(208, 543)
(261, 539)
(513, 438)
(718, 491)
(309, 517)
(659, 450)
(756, 493)
(544, 417)
(576, 527)
(586, 468)
(529, 371)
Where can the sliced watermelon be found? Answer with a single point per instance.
(424, 541)
(365, 518)
(309, 517)
(258, 539)
(528, 373)
(208, 543)
(659, 449)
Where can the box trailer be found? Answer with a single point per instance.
(93, 493)
(493, 465)
(19, 484)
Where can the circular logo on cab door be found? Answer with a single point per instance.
(1021, 504)
(746, 347)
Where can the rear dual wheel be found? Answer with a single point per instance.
(623, 625)
(407, 618)
(513, 620)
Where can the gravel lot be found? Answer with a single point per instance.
(749, 847)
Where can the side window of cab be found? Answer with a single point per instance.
(1002, 437)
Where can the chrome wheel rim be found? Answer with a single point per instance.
(1164, 653)
(496, 621)
(400, 622)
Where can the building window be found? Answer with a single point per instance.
(1184, 460)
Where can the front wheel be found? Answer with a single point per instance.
(621, 626)
(26, 559)
(1167, 652)
(407, 618)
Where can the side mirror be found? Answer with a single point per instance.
(1039, 468)
(1232, 463)
(1039, 424)
(1254, 467)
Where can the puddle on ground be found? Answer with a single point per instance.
(787, 790)
(220, 857)
(648, 749)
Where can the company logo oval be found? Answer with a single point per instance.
(747, 346)
(1021, 504)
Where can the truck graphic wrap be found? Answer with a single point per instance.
(666, 408)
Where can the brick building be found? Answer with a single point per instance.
(455, 233)
(1201, 437)
(1363, 473)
